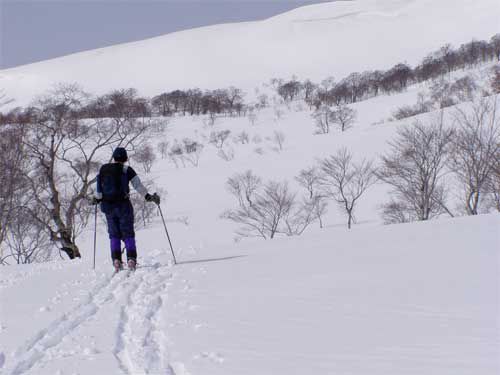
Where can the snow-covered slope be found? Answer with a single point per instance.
(409, 299)
(312, 42)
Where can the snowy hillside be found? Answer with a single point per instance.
(406, 299)
(331, 39)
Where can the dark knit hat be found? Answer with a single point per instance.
(120, 154)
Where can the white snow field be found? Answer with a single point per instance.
(403, 299)
(317, 41)
(409, 299)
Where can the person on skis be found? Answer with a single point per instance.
(113, 194)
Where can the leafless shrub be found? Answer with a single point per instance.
(27, 241)
(345, 181)
(145, 156)
(217, 138)
(415, 168)
(266, 210)
(396, 212)
(476, 149)
(422, 106)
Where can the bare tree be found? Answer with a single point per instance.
(415, 168)
(323, 117)
(343, 116)
(310, 179)
(476, 147)
(345, 181)
(244, 186)
(145, 156)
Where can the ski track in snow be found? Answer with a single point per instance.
(34, 349)
(139, 343)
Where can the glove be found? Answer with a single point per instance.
(152, 198)
(95, 201)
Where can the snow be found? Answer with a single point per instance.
(404, 299)
(330, 39)
(419, 298)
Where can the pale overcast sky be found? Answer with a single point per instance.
(34, 30)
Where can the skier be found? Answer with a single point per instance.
(113, 194)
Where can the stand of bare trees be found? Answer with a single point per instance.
(195, 102)
(360, 86)
(415, 169)
(62, 143)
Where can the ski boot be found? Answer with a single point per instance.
(132, 264)
(118, 265)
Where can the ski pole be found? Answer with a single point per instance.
(95, 233)
(166, 231)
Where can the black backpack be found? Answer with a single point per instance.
(113, 182)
